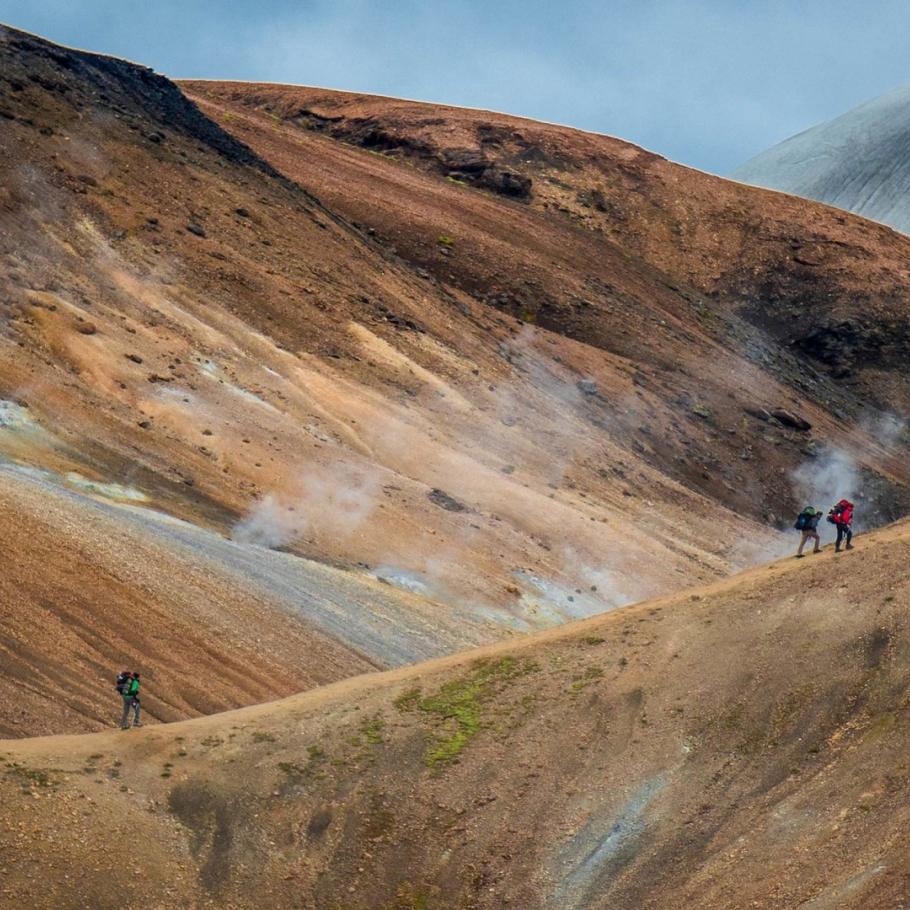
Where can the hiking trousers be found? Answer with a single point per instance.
(806, 536)
(129, 704)
(844, 531)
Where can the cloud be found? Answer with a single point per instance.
(705, 82)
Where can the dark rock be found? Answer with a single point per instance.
(196, 229)
(134, 357)
(600, 203)
(758, 413)
(465, 162)
(789, 419)
(242, 212)
(86, 328)
(507, 183)
(444, 501)
(587, 386)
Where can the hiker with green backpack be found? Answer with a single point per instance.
(807, 525)
(128, 687)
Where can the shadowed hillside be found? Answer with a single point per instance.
(741, 745)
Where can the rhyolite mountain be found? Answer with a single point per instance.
(858, 161)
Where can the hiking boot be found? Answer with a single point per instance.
(137, 724)
(849, 546)
(800, 556)
(126, 727)
(837, 549)
(815, 551)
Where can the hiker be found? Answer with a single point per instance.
(807, 524)
(842, 517)
(130, 694)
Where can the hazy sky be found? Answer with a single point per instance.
(705, 82)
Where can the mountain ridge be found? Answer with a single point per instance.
(853, 161)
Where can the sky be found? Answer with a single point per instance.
(708, 83)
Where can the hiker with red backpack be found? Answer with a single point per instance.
(841, 516)
(807, 524)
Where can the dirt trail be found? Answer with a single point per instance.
(739, 744)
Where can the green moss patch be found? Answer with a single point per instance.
(456, 711)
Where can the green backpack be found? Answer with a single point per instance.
(804, 522)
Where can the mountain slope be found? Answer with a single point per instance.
(856, 161)
(550, 414)
(741, 745)
(189, 333)
(604, 235)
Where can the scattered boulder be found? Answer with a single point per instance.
(586, 386)
(86, 328)
(507, 183)
(758, 413)
(196, 229)
(464, 161)
(444, 501)
(135, 358)
(699, 410)
(789, 419)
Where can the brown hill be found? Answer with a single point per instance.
(740, 745)
(408, 464)
(757, 269)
